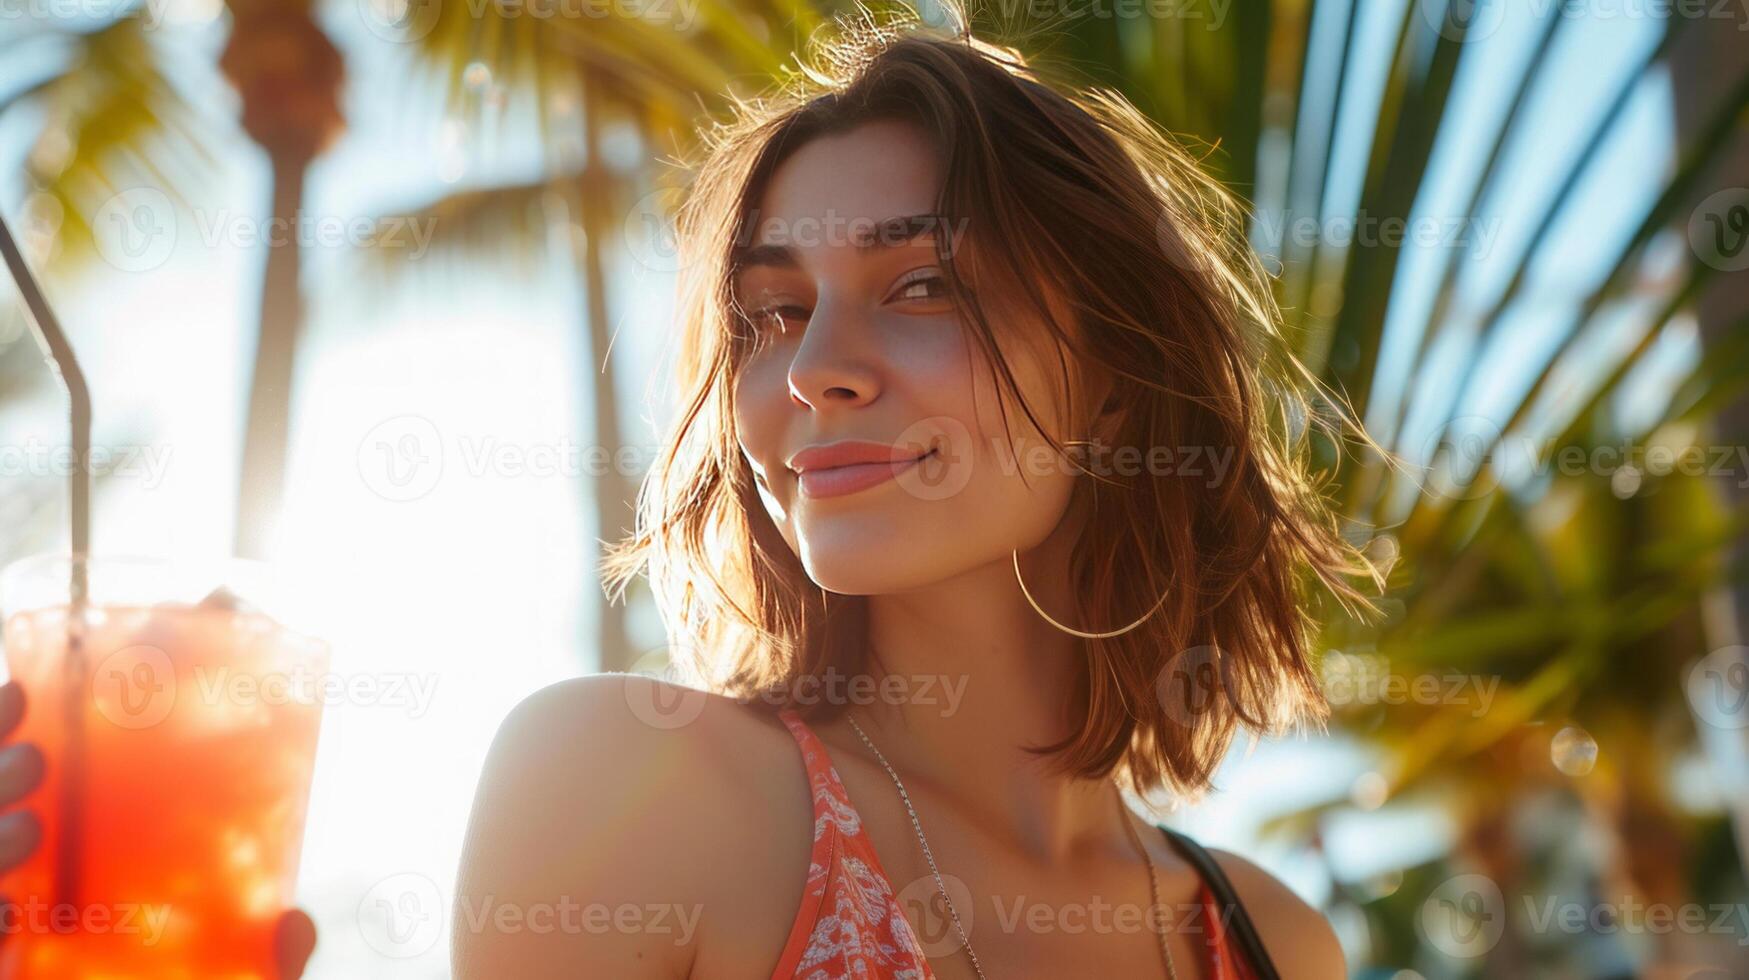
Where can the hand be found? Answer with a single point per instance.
(294, 939)
(21, 770)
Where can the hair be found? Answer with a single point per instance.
(1075, 188)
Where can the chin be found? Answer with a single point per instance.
(866, 563)
(845, 580)
(859, 573)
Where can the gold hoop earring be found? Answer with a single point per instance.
(1070, 630)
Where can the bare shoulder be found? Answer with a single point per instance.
(630, 805)
(1298, 937)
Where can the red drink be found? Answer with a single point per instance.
(197, 728)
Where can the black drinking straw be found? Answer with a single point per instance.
(60, 357)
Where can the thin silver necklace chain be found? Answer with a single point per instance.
(941, 887)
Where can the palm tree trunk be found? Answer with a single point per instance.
(289, 76)
(613, 489)
(1704, 66)
(265, 443)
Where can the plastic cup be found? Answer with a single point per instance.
(189, 722)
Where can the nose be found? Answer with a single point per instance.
(835, 364)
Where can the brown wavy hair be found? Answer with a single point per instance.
(1059, 185)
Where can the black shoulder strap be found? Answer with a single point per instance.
(1237, 921)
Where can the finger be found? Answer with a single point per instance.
(20, 832)
(11, 707)
(21, 770)
(294, 939)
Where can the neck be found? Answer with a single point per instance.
(968, 676)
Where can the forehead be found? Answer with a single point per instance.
(878, 170)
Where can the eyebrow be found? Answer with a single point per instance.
(887, 233)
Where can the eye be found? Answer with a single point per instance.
(921, 285)
(778, 316)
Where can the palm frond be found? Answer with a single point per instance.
(113, 121)
(511, 229)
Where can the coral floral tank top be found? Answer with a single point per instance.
(850, 923)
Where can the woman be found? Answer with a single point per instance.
(981, 469)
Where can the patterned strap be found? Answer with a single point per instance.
(1232, 910)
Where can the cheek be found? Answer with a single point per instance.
(761, 404)
(1019, 487)
(762, 409)
(991, 492)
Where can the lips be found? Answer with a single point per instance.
(847, 467)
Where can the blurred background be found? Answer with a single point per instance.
(380, 290)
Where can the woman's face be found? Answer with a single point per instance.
(861, 348)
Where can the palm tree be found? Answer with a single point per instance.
(583, 76)
(1582, 592)
(1702, 67)
(110, 118)
(113, 119)
(290, 77)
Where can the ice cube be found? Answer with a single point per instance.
(223, 598)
